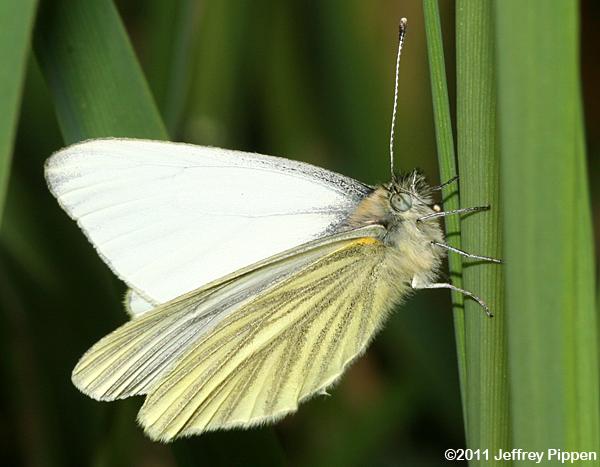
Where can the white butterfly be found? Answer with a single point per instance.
(254, 280)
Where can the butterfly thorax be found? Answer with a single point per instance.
(400, 206)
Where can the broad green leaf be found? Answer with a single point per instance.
(550, 302)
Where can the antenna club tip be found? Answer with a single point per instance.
(402, 27)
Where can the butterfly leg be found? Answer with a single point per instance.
(417, 285)
(464, 253)
(452, 212)
(446, 183)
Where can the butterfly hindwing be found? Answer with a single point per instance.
(279, 349)
(132, 359)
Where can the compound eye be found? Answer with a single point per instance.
(401, 202)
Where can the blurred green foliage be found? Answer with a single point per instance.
(16, 20)
(308, 80)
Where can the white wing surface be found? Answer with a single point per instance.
(135, 305)
(169, 217)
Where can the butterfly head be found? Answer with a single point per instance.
(410, 196)
(409, 199)
(398, 206)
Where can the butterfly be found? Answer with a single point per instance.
(254, 281)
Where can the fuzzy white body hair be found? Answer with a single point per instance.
(410, 252)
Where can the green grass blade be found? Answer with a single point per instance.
(93, 74)
(549, 272)
(448, 170)
(16, 20)
(488, 403)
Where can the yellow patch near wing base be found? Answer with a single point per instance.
(285, 346)
(364, 241)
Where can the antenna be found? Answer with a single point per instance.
(401, 34)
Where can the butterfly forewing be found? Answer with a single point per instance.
(291, 342)
(168, 218)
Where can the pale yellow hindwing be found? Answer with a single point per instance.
(135, 357)
(287, 344)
